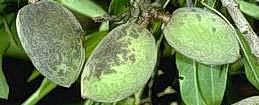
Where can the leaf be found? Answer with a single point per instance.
(15, 49)
(118, 7)
(127, 101)
(201, 84)
(211, 3)
(4, 44)
(4, 88)
(86, 7)
(104, 26)
(250, 62)
(89, 102)
(4, 39)
(249, 9)
(92, 41)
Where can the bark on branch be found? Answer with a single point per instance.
(32, 1)
(243, 25)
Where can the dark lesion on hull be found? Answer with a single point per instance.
(115, 45)
(198, 16)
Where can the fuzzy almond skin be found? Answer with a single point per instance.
(203, 36)
(120, 65)
(51, 37)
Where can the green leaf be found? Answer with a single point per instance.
(4, 40)
(211, 3)
(250, 62)
(155, 28)
(92, 41)
(127, 101)
(104, 26)
(15, 49)
(7, 24)
(118, 7)
(89, 102)
(201, 84)
(86, 7)
(4, 88)
(249, 9)
(4, 44)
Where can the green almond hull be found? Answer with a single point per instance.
(203, 36)
(120, 65)
(51, 37)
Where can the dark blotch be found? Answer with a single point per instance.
(109, 72)
(118, 37)
(106, 55)
(181, 23)
(198, 16)
(193, 10)
(181, 77)
(132, 58)
(122, 30)
(213, 19)
(213, 29)
(134, 33)
(245, 32)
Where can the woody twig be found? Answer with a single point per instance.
(243, 25)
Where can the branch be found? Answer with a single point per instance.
(32, 1)
(243, 25)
